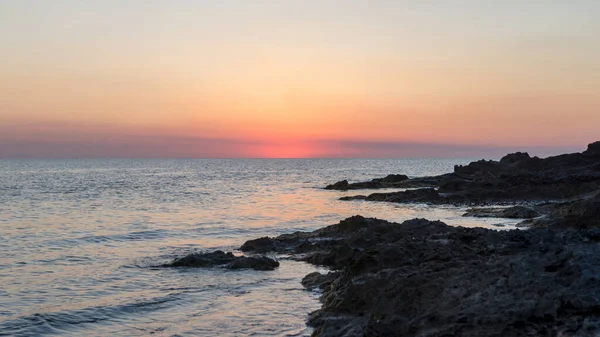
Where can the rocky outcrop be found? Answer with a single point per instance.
(342, 185)
(391, 178)
(581, 213)
(593, 150)
(391, 181)
(424, 195)
(516, 177)
(424, 278)
(318, 280)
(515, 212)
(225, 260)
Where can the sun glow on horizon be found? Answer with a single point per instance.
(294, 79)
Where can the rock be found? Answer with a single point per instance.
(424, 195)
(478, 167)
(260, 245)
(517, 177)
(593, 149)
(340, 185)
(254, 262)
(317, 280)
(584, 213)
(392, 178)
(390, 181)
(225, 260)
(515, 212)
(513, 158)
(424, 278)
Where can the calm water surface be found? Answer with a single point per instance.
(79, 240)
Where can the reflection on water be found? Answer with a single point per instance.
(77, 239)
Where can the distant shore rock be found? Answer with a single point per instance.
(225, 260)
(515, 212)
(423, 195)
(517, 177)
(593, 149)
(387, 182)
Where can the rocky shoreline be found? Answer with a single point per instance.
(424, 278)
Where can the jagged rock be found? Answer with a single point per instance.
(478, 167)
(424, 278)
(260, 245)
(253, 262)
(513, 158)
(593, 149)
(584, 213)
(392, 178)
(340, 185)
(515, 212)
(225, 260)
(318, 280)
(426, 195)
(390, 181)
(516, 177)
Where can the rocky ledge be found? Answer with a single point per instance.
(515, 212)
(391, 180)
(224, 260)
(516, 177)
(424, 278)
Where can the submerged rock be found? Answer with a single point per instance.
(515, 212)
(225, 260)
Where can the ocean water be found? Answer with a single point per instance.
(80, 241)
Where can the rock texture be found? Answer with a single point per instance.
(225, 260)
(581, 213)
(515, 212)
(516, 177)
(424, 278)
(391, 181)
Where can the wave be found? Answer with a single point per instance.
(77, 320)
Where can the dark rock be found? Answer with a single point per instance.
(260, 245)
(253, 262)
(513, 158)
(425, 195)
(516, 177)
(390, 181)
(515, 212)
(593, 149)
(478, 167)
(392, 178)
(340, 185)
(225, 260)
(584, 213)
(424, 278)
(318, 280)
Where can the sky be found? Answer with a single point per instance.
(321, 78)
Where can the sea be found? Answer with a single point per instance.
(81, 241)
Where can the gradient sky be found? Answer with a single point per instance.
(422, 78)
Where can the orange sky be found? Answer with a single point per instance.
(296, 78)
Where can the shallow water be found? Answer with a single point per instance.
(79, 239)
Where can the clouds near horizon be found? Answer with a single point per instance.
(296, 78)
